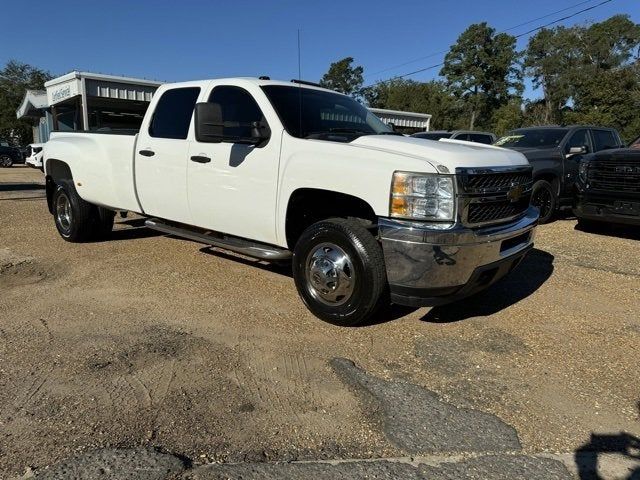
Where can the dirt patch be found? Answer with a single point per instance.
(18, 271)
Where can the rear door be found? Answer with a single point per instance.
(161, 155)
(604, 139)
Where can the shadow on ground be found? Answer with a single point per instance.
(623, 444)
(528, 277)
(630, 232)
(18, 187)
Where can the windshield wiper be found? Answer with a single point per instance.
(389, 133)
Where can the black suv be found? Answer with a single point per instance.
(9, 155)
(555, 153)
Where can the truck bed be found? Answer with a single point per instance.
(103, 162)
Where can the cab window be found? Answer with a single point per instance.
(579, 139)
(604, 140)
(238, 106)
(172, 116)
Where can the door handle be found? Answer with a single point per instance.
(147, 153)
(200, 159)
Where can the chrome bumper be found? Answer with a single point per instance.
(429, 266)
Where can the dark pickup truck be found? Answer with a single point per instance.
(609, 188)
(555, 153)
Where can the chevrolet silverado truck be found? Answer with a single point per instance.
(609, 188)
(554, 154)
(290, 172)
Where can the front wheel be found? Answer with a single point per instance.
(6, 161)
(339, 271)
(544, 197)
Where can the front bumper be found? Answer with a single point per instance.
(427, 266)
(610, 209)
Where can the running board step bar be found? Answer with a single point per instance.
(238, 245)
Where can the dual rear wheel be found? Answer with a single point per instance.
(76, 219)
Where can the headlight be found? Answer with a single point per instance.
(582, 171)
(422, 196)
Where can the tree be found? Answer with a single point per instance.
(482, 69)
(423, 97)
(550, 59)
(15, 79)
(586, 72)
(344, 78)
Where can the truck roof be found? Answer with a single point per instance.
(252, 81)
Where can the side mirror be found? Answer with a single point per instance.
(210, 127)
(578, 150)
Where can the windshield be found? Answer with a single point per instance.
(533, 138)
(324, 115)
(432, 135)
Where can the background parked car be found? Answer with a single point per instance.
(555, 153)
(609, 188)
(9, 155)
(469, 136)
(635, 143)
(34, 155)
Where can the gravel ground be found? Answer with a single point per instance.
(147, 341)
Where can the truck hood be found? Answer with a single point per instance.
(443, 153)
(539, 153)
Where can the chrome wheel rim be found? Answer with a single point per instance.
(63, 211)
(5, 161)
(330, 274)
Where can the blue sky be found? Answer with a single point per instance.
(186, 40)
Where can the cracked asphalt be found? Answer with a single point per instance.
(153, 357)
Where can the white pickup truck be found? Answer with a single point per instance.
(292, 172)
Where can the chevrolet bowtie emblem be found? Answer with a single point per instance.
(515, 193)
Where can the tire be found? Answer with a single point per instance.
(104, 223)
(6, 161)
(75, 219)
(544, 196)
(339, 271)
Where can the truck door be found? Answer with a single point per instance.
(233, 187)
(161, 156)
(579, 138)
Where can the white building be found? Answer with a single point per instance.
(87, 101)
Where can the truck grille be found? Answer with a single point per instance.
(616, 174)
(488, 212)
(495, 182)
(493, 195)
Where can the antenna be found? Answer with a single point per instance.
(299, 64)
(299, 89)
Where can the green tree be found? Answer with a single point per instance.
(343, 77)
(482, 69)
(15, 79)
(551, 58)
(423, 97)
(586, 73)
(610, 98)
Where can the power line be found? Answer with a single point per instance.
(502, 31)
(566, 17)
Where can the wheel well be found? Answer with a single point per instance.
(551, 178)
(56, 171)
(309, 205)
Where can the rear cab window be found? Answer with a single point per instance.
(604, 140)
(173, 112)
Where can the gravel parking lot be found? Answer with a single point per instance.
(156, 345)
